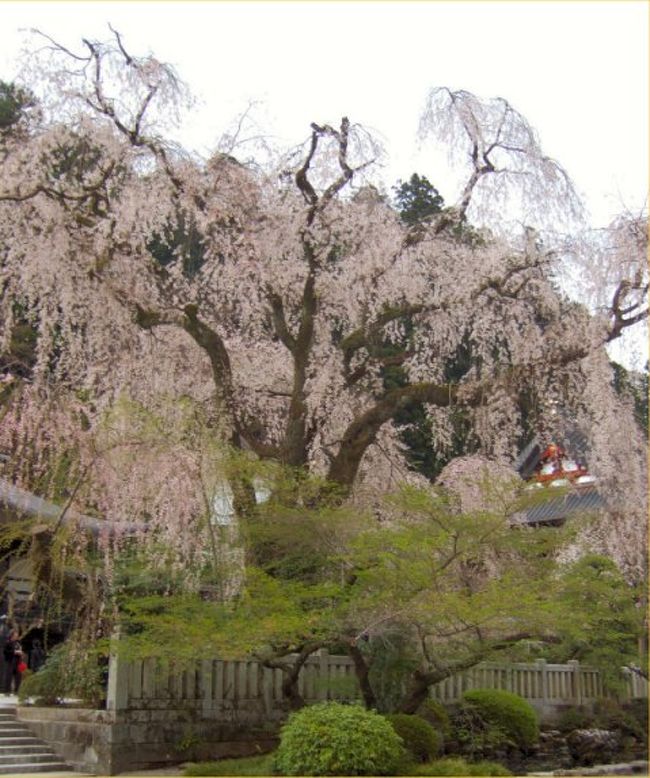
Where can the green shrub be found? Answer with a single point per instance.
(251, 765)
(507, 712)
(475, 737)
(457, 766)
(331, 738)
(436, 714)
(420, 739)
(610, 714)
(488, 768)
(638, 711)
(453, 766)
(574, 718)
(69, 672)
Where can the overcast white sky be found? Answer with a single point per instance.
(577, 70)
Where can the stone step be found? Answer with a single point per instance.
(43, 757)
(22, 748)
(21, 752)
(17, 740)
(34, 767)
(16, 731)
(4, 725)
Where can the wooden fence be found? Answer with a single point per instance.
(224, 688)
(246, 688)
(553, 683)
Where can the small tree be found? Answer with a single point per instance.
(446, 590)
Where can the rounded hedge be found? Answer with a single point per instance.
(420, 739)
(507, 712)
(331, 738)
(436, 714)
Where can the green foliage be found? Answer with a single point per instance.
(420, 739)
(608, 638)
(487, 768)
(334, 739)
(436, 714)
(69, 672)
(474, 736)
(610, 714)
(458, 767)
(454, 766)
(574, 718)
(417, 200)
(316, 573)
(391, 664)
(182, 241)
(251, 765)
(634, 385)
(14, 103)
(507, 712)
(637, 710)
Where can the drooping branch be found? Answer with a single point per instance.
(363, 336)
(151, 74)
(498, 145)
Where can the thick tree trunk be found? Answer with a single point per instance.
(362, 672)
(419, 690)
(422, 680)
(291, 673)
(362, 432)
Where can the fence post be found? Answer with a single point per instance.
(576, 679)
(117, 694)
(323, 674)
(205, 690)
(543, 679)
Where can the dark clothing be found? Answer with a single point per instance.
(13, 656)
(36, 656)
(5, 631)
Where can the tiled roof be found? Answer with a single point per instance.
(549, 508)
(548, 504)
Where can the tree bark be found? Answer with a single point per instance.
(291, 672)
(362, 432)
(362, 671)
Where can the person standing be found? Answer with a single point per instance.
(36, 655)
(5, 631)
(13, 656)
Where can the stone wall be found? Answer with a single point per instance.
(109, 742)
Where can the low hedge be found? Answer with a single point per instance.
(331, 738)
(436, 714)
(420, 739)
(507, 712)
